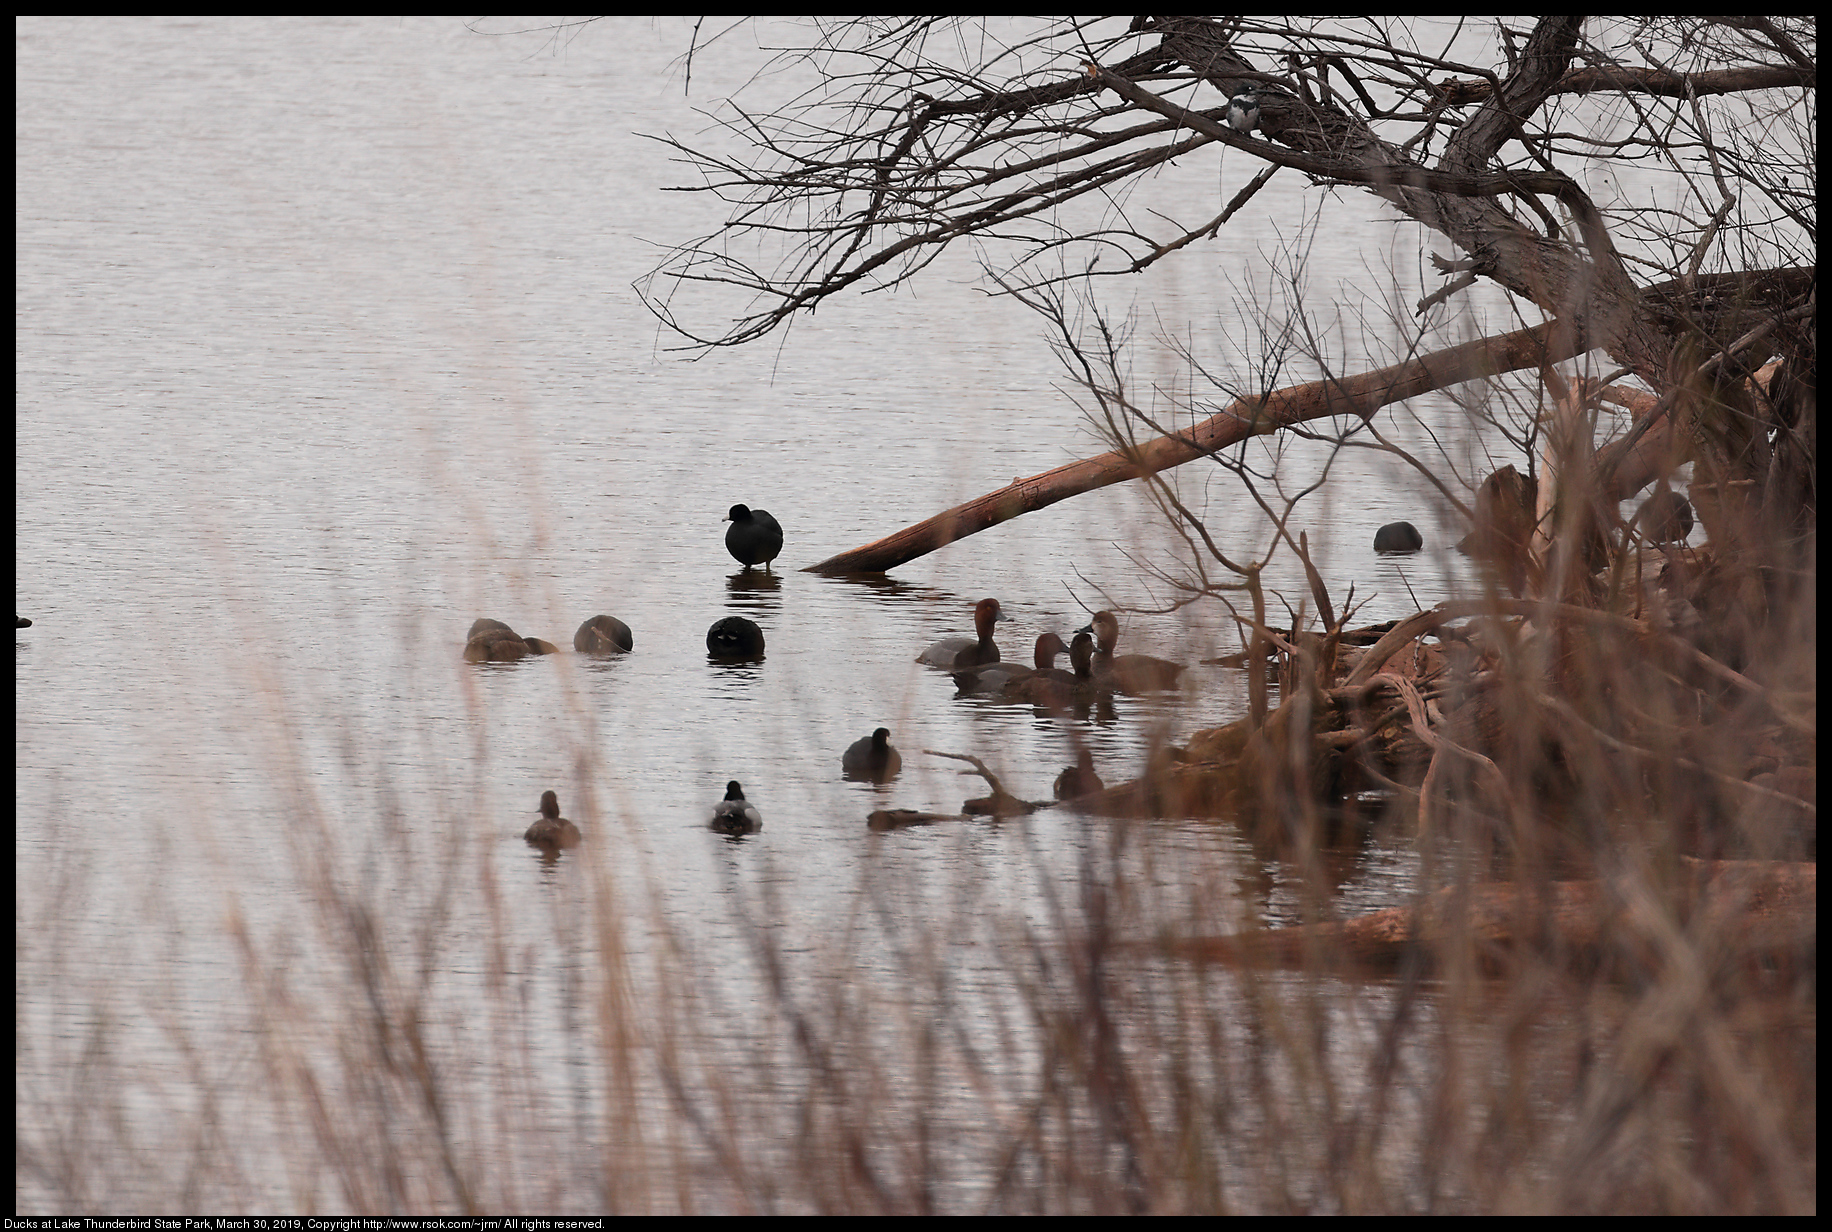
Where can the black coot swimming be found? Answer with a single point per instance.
(872, 757)
(1398, 537)
(734, 638)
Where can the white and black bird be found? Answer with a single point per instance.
(1244, 111)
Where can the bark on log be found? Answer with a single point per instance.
(1357, 395)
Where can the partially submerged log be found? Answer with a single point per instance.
(901, 819)
(1357, 395)
(1742, 910)
(1003, 806)
(1000, 803)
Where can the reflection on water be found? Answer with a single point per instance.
(746, 583)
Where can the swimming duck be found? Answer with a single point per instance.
(734, 638)
(755, 538)
(959, 652)
(1079, 779)
(1398, 537)
(872, 757)
(735, 814)
(1506, 515)
(1057, 689)
(492, 641)
(1133, 673)
(603, 635)
(552, 830)
(993, 677)
(495, 648)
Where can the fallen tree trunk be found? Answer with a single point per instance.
(1357, 395)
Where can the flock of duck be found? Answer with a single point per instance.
(755, 538)
(977, 667)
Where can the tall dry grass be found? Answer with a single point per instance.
(379, 1048)
(1062, 1065)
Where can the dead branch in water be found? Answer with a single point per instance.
(1361, 395)
(1000, 803)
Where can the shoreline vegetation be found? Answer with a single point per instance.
(1619, 703)
(1607, 760)
(1504, 706)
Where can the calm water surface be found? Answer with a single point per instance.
(326, 345)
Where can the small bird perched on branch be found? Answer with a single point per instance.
(1243, 110)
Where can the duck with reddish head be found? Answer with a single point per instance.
(1079, 779)
(955, 653)
(1132, 673)
(1056, 689)
(993, 677)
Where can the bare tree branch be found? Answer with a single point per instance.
(1361, 395)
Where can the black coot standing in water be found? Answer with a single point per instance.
(755, 538)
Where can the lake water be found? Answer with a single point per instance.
(327, 345)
